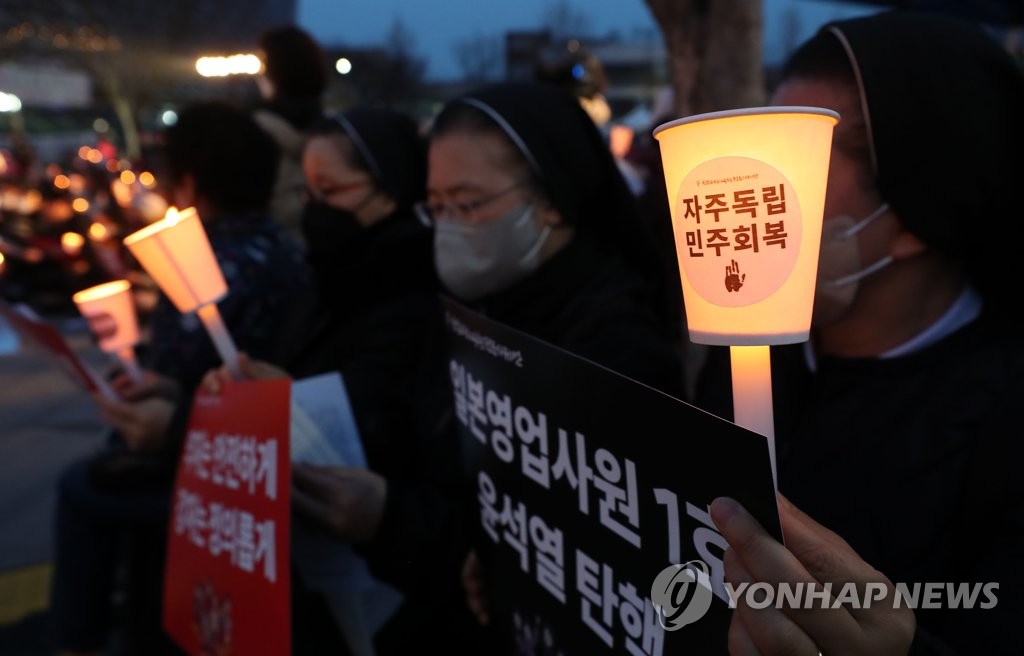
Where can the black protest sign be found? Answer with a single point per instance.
(588, 486)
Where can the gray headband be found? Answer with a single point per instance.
(508, 130)
(360, 145)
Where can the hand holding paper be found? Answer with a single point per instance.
(142, 424)
(347, 502)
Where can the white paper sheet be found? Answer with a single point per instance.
(324, 432)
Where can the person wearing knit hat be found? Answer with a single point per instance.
(893, 424)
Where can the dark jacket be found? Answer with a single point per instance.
(367, 322)
(368, 319)
(580, 300)
(912, 461)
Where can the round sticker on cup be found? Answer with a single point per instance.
(103, 326)
(738, 228)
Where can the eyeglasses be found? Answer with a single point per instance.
(309, 194)
(429, 213)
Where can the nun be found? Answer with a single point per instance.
(895, 423)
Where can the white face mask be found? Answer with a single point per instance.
(474, 260)
(840, 269)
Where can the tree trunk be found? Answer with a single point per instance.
(714, 50)
(124, 109)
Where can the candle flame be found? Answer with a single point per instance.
(171, 217)
(101, 291)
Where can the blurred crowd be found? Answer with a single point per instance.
(62, 224)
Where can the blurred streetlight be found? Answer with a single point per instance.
(343, 65)
(9, 102)
(241, 64)
(169, 117)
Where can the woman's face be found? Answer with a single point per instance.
(472, 177)
(335, 182)
(851, 188)
(492, 229)
(851, 195)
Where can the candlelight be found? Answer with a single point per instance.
(176, 252)
(110, 311)
(747, 192)
(30, 202)
(122, 193)
(101, 291)
(98, 231)
(71, 243)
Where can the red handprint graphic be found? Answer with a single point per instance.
(733, 278)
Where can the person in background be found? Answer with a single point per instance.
(221, 163)
(371, 258)
(226, 171)
(576, 70)
(292, 84)
(895, 424)
(534, 227)
(368, 312)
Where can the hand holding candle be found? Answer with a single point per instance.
(177, 254)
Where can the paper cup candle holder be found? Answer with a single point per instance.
(747, 193)
(110, 310)
(176, 252)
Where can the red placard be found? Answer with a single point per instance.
(227, 587)
(37, 331)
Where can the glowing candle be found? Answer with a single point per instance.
(747, 192)
(110, 311)
(176, 252)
